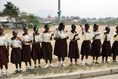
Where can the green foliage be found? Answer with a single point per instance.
(30, 20)
(0, 23)
(1, 13)
(112, 22)
(11, 10)
(41, 25)
(83, 21)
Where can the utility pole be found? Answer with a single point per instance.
(59, 11)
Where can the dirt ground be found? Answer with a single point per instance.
(67, 69)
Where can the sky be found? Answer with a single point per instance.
(81, 8)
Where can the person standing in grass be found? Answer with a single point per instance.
(73, 46)
(4, 51)
(115, 45)
(86, 45)
(60, 48)
(36, 48)
(106, 47)
(96, 44)
(15, 44)
(26, 50)
(46, 45)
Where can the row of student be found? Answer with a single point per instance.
(60, 49)
(25, 54)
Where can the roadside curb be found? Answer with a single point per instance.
(77, 75)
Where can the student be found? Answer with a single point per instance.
(106, 47)
(26, 50)
(15, 44)
(46, 45)
(115, 45)
(4, 51)
(36, 49)
(86, 45)
(73, 46)
(60, 48)
(96, 44)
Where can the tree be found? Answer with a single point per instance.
(31, 20)
(11, 10)
(0, 13)
(83, 21)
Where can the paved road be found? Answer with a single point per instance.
(115, 76)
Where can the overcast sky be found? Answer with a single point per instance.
(82, 8)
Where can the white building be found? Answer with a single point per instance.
(6, 19)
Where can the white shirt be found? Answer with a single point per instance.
(26, 38)
(71, 36)
(46, 37)
(86, 36)
(108, 37)
(115, 38)
(38, 38)
(62, 34)
(95, 33)
(15, 43)
(4, 40)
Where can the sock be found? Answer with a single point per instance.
(39, 64)
(62, 62)
(27, 67)
(86, 61)
(30, 67)
(93, 60)
(47, 64)
(20, 69)
(35, 65)
(76, 63)
(96, 60)
(6, 70)
(82, 62)
(16, 68)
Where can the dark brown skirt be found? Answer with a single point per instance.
(106, 48)
(26, 53)
(95, 48)
(115, 48)
(73, 50)
(3, 55)
(47, 50)
(36, 52)
(86, 48)
(60, 49)
(16, 55)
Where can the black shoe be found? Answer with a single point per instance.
(87, 64)
(20, 71)
(31, 70)
(97, 63)
(27, 69)
(16, 71)
(35, 67)
(107, 62)
(114, 61)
